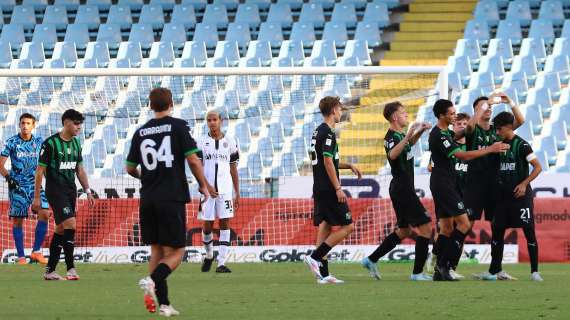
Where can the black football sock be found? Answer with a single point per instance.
(532, 246)
(439, 247)
(497, 247)
(159, 276)
(454, 245)
(455, 262)
(422, 248)
(321, 251)
(391, 241)
(324, 268)
(68, 247)
(161, 290)
(54, 252)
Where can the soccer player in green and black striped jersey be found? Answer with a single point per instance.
(515, 197)
(60, 161)
(409, 210)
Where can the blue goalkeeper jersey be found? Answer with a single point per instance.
(24, 156)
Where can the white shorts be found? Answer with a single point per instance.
(221, 207)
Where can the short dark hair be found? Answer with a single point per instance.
(479, 99)
(503, 119)
(462, 116)
(72, 115)
(27, 116)
(440, 107)
(160, 99)
(327, 104)
(390, 108)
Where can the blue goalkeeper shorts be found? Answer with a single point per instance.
(21, 200)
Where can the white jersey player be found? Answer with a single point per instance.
(220, 155)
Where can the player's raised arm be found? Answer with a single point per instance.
(496, 147)
(519, 117)
(421, 128)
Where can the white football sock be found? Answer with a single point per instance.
(207, 239)
(224, 246)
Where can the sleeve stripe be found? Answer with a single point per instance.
(328, 154)
(131, 164)
(452, 152)
(189, 152)
(530, 157)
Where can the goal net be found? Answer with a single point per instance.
(271, 112)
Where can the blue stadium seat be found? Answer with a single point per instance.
(14, 35)
(561, 46)
(56, 15)
(526, 65)
(292, 50)
(501, 48)
(216, 14)
(328, 5)
(277, 135)
(207, 33)
(461, 66)
(519, 10)
(336, 31)
(152, 14)
(552, 10)
(239, 32)
(377, 12)
(24, 16)
(89, 15)
(525, 131)
(549, 146)
(519, 82)
(482, 80)
(261, 50)
(550, 81)
(280, 13)
(248, 13)
(243, 136)
(295, 4)
(289, 164)
(102, 5)
(164, 52)
(99, 52)
(34, 53)
(111, 34)
(534, 47)
(466, 99)
(495, 65)
(368, 31)
(271, 31)
(8, 5)
(261, 4)
(558, 64)
(131, 52)
(469, 48)
(566, 29)
(143, 34)
(358, 49)
(299, 147)
(231, 5)
(228, 50)
(167, 5)
(38, 5)
(540, 96)
(196, 51)
(184, 14)
(266, 151)
(542, 29)
(558, 130)
(337, 85)
(312, 13)
(174, 33)
(325, 49)
(78, 34)
(345, 13)
(5, 55)
(487, 10)
(533, 113)
(199, 5)
(135, 5)
(47, 34)
(510, 29)
(360, 5)
(120, 14)
(478, 30)
(304, 32)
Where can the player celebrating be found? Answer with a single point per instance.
(481, 181)
(515, 203)
(331, 207)
(60, 161)
(219, 154)
(23, 150)
(160, 147)
(449, 205)
(409, 210)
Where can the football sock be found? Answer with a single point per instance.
(224, 246)
(391, 241)
(532, 246)
(454, 245)
(324, 268)
(439, 246)
(497, 247)
(159, 275)
(18, 234)
(321, 251)
(41, 229)
(422, 248)
(207, 239)
(455, 262)
(54, 252)
(68, 247)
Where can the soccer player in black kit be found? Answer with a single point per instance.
(160, 148)
(331, 207)
(449, 207)
(515, 198)
(409, 210)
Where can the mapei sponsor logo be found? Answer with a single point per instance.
(67, 165)
(508, 166)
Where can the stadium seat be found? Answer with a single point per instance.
(164, 52)
(280, 13)
(550, 81)
(313, 13)
(24, 16)
(566, 29)
(540, 96)
(277, 135)
(206, 33)
(482, 80)
(56, 15)
(248, 13)
(560, 64)
(143, 34)
(152, 14)
(525, 131)
(261, 4)
(261, 50)
(495, 65)
(542, 29)
(262, 158)
(271, 31)
(216, 14)
(14, 35)
(534, 47)
(368, 31)
(526, 65)
(519, 82)
(77, 34)
(120, 14)
(167, 5)
(561, 46)
(519, 10)
(228, 50)
(239, 32)
(47, 34)
(510, 29)
(328, 5)
(289, 164)
(533, 113)
(548, 145)
(345, 13)
(102, 5)
(5, 55)
(325, 49)
(135, 5)
(552, 10)
(297, 4)
(336, 32)
(558, 130)
(196, 51)
(89, 15)
(131, 52)
(377, 12)
(469, 48)
(34, 53)
(292, 50)
(111, 34)
(38, 5)
(174, 33)
(304, 32)
(487, 10)
(199, 5)
(358, 49)
(478, 30)
(98, 52)
(185, 15)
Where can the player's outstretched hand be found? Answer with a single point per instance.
(341, 195)
(520, 190)
(91, 200)
(356, 171)
(499, 147)
(212, 191)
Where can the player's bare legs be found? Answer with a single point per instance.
(224, 244)
(208, 241)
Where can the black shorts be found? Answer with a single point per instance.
(446, 197)
(515, 212)
(62, 204)
(327, 208)
(163, 222)
(480, 195)
(409, 210)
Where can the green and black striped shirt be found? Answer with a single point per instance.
(403, 166)
(479, 139)
(61, 159)
(514, 164)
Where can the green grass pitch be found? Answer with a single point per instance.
(285, 291)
